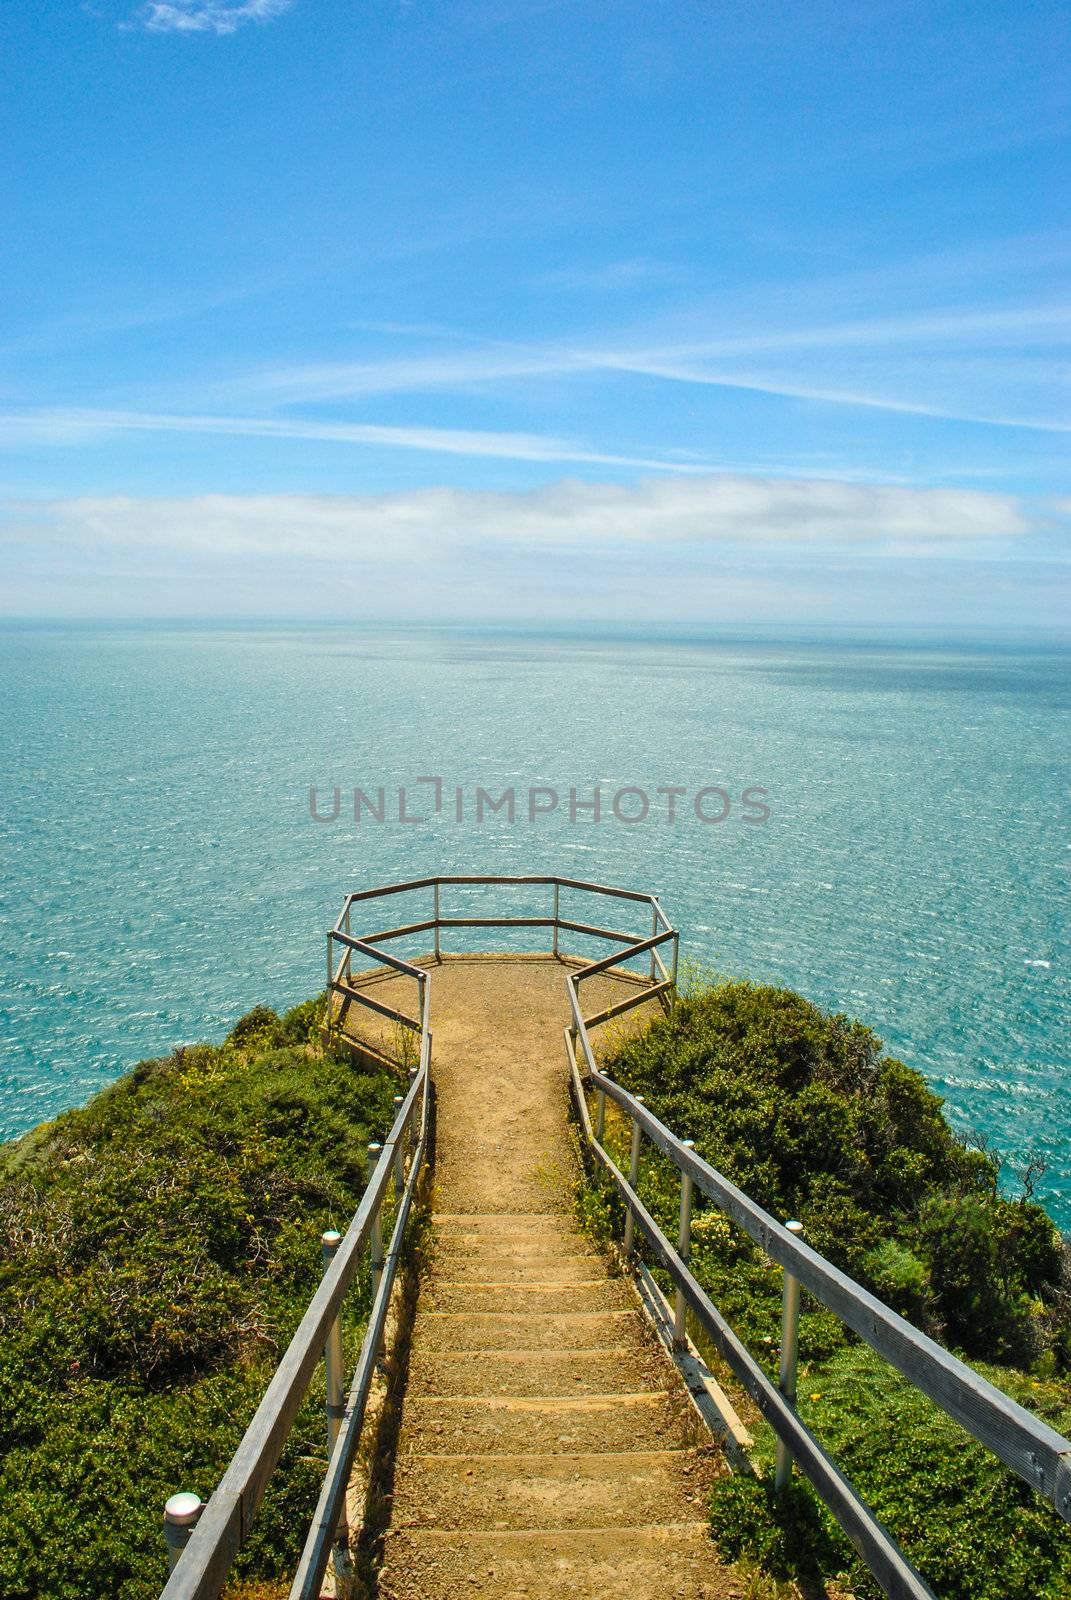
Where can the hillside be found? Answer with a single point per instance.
(157, 1249)
(807, 1113)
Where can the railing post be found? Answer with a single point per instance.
(438, 946)
(399, 1151)
(790, 1327)
(684, 1245)
(349, 952)
(181, 1512)
(329, 998)
(600, 1111)
(654, 935)
(675, 959)
(374, 1152)
(554, 946)
(334, 1366)
(633, 1178)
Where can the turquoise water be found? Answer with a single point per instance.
(161, 872)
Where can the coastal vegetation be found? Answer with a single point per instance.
(806, 1112)
(157, 1250)
(158, 1247)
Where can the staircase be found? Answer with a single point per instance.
(547, 1446)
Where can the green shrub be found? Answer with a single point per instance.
(157, 1250)
(805, 1112)
(790, 1536)
(900, 1279)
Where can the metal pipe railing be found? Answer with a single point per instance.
(894, 1572)
(331, 1504)
(201, 1568)
(1026, 1444)
(1022, 1440)
(339, 978)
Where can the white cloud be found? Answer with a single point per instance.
(82, 426)
(922, 345)
(723, 511)
(207, 16)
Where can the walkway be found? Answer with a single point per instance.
(547, 1446)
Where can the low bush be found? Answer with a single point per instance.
(807, 1114)
(974, 1530)
(157, 1250)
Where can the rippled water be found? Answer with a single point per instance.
(161, 872)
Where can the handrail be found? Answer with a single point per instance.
(224, 1523)
(632, 945)
(331, 1504)
(893, 1571)
(1022, 1440)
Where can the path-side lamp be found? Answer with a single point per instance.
(181, 1512)
(790, 1330)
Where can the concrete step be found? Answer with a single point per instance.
(648, 1420)
(479, 1299)
(609, 1489)
(621, 1369)
(470, 1268)
(528, 1330)
(513, 1247)
(575, 1564)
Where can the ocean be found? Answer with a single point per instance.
(161, 871)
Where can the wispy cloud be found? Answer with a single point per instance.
(207, 16)
(84, 425)
(723, 511)
(754, 361)
(607, 276)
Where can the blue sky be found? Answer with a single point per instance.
(526, 309)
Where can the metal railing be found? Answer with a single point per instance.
(341, 944)
(1026, 1444)
(203, 1546)
(1022, 1440)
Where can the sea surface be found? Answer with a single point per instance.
(161, 872)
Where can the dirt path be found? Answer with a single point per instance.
(547, 1446)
